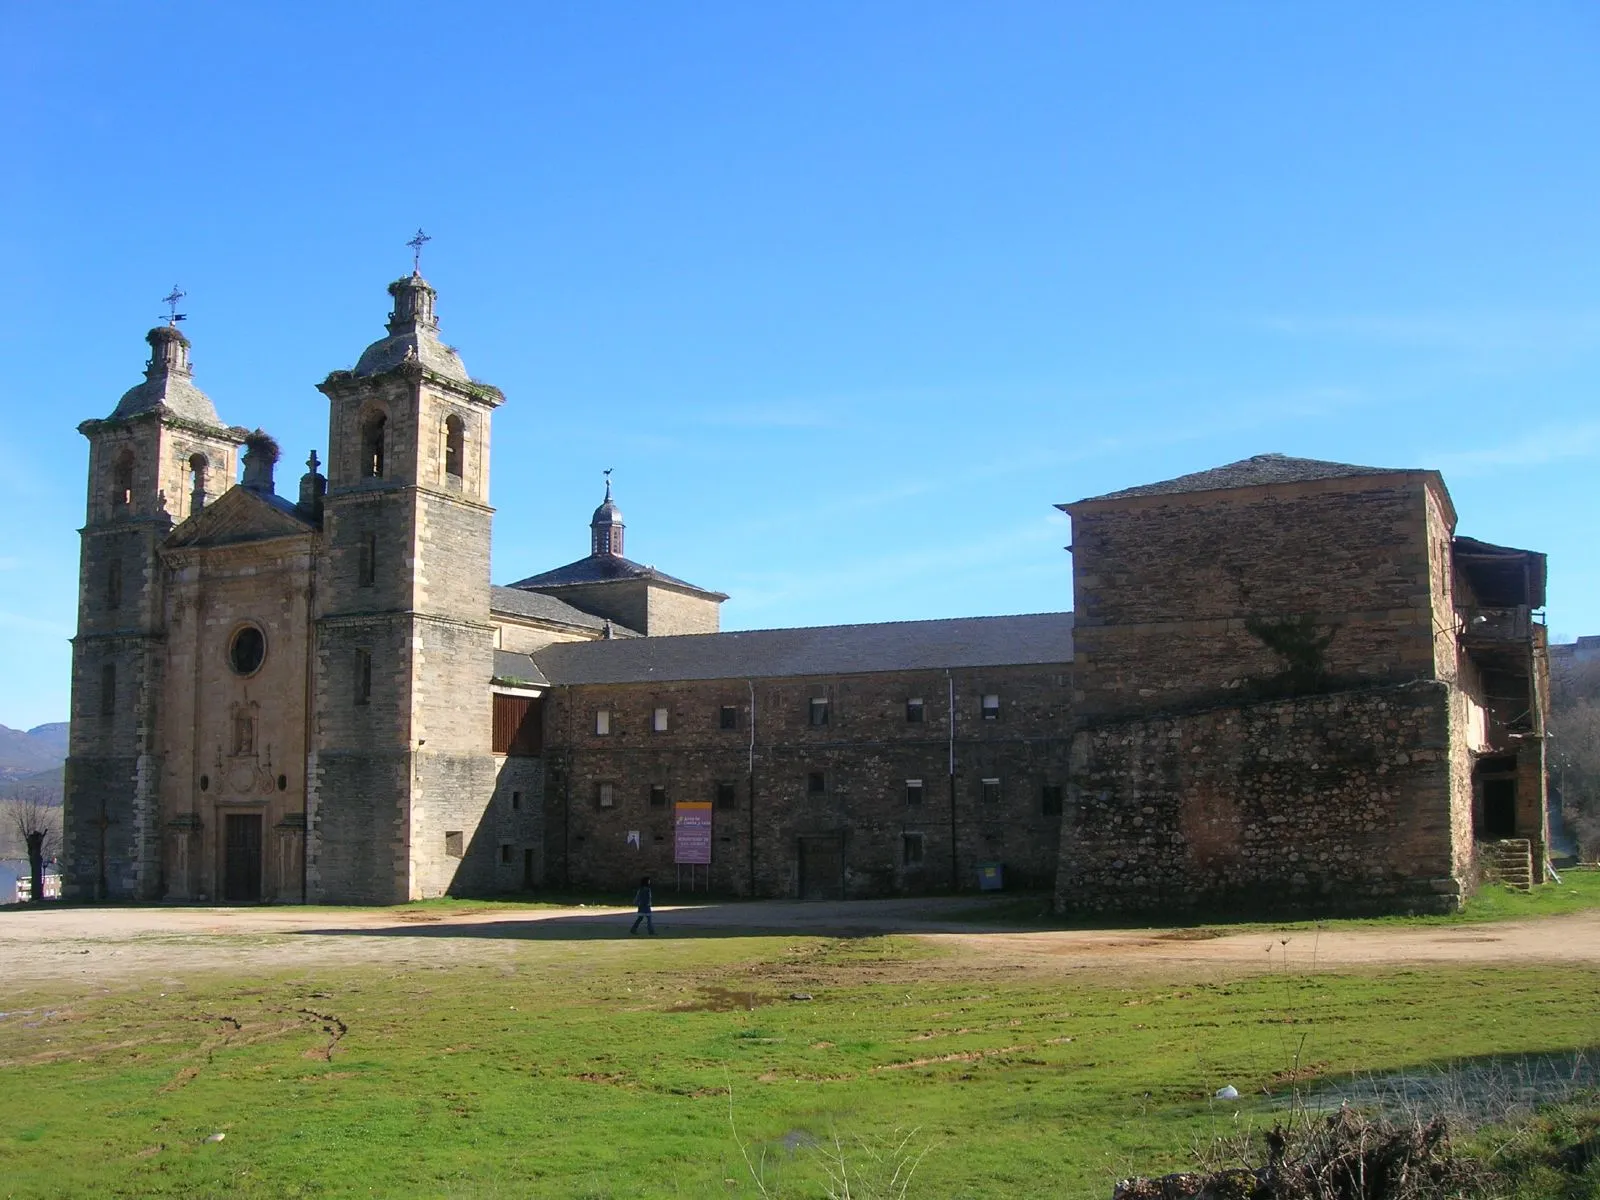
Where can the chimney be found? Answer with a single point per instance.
(260, 455)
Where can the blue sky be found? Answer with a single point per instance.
(849, 294)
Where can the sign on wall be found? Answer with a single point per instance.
(692, 830)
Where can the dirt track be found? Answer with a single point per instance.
(103, 947)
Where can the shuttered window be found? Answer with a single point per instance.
(518, 726)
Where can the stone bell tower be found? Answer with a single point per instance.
(402, 769)
(161, 456)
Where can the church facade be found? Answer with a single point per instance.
(1285, 681)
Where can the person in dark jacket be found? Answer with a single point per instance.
(642, 899)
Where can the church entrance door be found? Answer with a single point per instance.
(241, 880)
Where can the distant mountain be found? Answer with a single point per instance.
(46, 782)
(25, 752)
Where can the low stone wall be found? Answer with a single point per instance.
(1320, 804)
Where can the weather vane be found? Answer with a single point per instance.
(607, 474)
(171, 301)
(416, 244)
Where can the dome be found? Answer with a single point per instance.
(168, 382)
(413, 335)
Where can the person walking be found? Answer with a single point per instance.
(642, 899)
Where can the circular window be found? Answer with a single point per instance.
(245, 652)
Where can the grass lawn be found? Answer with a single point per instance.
(602, 1068)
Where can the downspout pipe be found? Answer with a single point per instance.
(955, 876)
(751, 783)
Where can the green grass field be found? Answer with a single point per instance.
(603, 1068)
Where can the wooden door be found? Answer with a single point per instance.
(242, 862)
(821, 869)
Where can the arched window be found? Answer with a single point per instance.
(372, 432)
(198, 465)
(455, 446)
(122, 480)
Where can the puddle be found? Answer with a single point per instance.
(722, 999)
(1480, 1090)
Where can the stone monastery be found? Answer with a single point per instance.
(1285, 684)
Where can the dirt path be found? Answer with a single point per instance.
(107, 947)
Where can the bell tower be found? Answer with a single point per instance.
(403, 767)
(162, 455)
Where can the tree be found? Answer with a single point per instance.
(38, 825)
(1575, 749)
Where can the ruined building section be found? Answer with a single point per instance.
(161, 455)
(1505, 646)
(834, 762)
(1278, 702)
(401, 767)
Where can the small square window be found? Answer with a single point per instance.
(658, 795)
(453, 843)
(728, 717)
(1050, 799)
(727, 795)
(819, 710)
(506, 852)
(991, 707)
(602, 721)
(913, 791)
(658, 720)
(991, 791)
(606, 793)
(911, 849)
(914, 712)
(816, 783)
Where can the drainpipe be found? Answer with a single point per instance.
(751, 767)
(310, 703)
(955, 876)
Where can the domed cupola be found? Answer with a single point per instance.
(606, 527)
(168, 382)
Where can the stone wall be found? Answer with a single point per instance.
(1322, 804)
(1174, 593)
(208, 774)
(768, 809)
(671, 612)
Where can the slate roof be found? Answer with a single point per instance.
(240, 514)
(605, 568)
(1251, 472)
(539, 607)
(821, 650)
(519, 668)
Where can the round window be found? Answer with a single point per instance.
(245, 652)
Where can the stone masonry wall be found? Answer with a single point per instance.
(1166, 589)
(864, 755)
(1325, 804)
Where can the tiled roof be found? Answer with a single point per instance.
(605, 568)
(518, 668)
(1250, 472)
(822, 650)
(539, 607)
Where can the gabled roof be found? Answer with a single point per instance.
(1249, 472)
(239, 515)
(822, 650)
(606, 568)
(514, 602)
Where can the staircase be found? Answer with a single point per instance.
(1509, 861)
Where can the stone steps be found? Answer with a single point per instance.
(1509, 861)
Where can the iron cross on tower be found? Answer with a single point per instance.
(171, 301)
(416, 244)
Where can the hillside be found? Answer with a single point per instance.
(32, 758)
